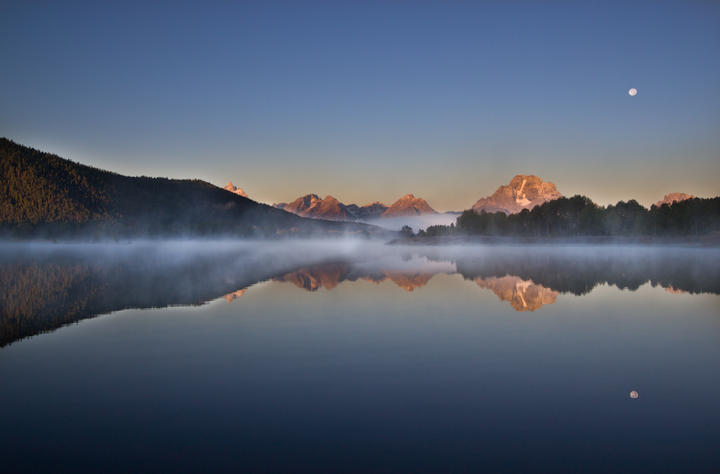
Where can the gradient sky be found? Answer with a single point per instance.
(372, 100)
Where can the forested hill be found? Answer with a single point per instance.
(43, 195)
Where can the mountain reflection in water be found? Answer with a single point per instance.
(523, 295)
(330, 275)
(46, 287)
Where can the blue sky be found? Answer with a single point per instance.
(372, 100)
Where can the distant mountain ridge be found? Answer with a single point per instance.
(522, 192)
(368, 211)
(311, 205)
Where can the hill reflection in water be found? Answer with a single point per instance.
(45, 287)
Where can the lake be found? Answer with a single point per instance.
(359, 356)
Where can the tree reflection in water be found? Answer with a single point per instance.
(43, 290)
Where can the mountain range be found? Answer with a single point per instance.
(522, 192)
(311, 205)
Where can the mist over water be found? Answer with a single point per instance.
(49, 285)
(415, 222)
(286, 355)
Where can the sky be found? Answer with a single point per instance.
(369, 101)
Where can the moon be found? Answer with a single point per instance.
(632, 92)
(634, 394)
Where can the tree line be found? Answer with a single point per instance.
(580, 216)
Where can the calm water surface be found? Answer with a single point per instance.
(359, 357)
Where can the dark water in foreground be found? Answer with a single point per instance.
(359, 357)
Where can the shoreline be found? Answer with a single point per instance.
(709, 240)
